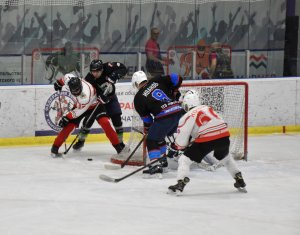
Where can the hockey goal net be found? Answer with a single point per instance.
(43, 71)
(229, 99)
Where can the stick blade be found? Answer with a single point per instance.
(107, 179)
(112, 166)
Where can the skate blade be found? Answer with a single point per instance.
(60, 155)
(176, 193)
(154, 176)
(77, 150)
(242, 190)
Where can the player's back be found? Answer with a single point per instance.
(155, 98)
(203, 124)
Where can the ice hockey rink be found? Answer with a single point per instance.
(41, 195)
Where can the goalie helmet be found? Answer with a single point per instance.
(137, 78)
(96, 65)
(75, 85)
(190, 100)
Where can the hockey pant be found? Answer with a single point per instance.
(197, 151)
(102, 119)
(156, 144)
(113, 110)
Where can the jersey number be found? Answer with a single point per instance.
(203, 118)
(158, 94)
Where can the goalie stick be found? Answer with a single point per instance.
(65, 152)
(116, 167)
(116, 180)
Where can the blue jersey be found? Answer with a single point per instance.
(156, 98)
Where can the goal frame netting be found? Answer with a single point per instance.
(228, 98)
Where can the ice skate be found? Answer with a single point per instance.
(178, 188)
(154, 170)
(125, 150)
(55, 153)
(78, 145)
(157, 169)
(122, 151)
(81, 139)
(240, 183)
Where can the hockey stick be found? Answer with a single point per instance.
(116, 167)
(137, 130)
(60, 108)
(83, 127)
(113, 180)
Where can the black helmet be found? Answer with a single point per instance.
(96, 65)
(75, 86)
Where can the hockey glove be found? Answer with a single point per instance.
(107, 88)
(102, 99)
(177, 95)
(113, 77)
(63, 121)
(172, 151)
(57, 86)
(146, 129)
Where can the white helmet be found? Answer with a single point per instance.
(68, 77)
(137, 78)
(190, 100)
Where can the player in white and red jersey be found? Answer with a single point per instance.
(85, 102)
(201, 131)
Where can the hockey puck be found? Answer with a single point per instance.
(90, 159)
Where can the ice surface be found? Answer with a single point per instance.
(41, 195)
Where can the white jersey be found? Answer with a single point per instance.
(200, 124)
(86, 100)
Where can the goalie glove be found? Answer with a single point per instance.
(63, 121)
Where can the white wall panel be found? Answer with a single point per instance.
(17, 111)
(272, 102)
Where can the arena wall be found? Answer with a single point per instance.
(25, 111)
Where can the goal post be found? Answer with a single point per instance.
(229, 99)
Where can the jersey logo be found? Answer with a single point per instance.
(56, 107)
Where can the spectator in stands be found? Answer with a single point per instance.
(219, 62)
(155, 61)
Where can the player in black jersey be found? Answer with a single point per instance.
(103, 77)
(156, 103)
